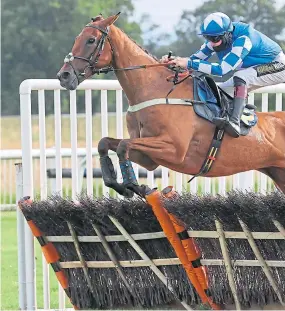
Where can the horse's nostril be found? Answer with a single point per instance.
(65, 75)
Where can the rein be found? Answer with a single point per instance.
(179, 73)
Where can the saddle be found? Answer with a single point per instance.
(218, 103)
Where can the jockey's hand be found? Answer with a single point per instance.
(180, 62)
(166, 59)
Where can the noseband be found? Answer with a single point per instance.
(92, 62)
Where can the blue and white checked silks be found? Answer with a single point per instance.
(250, 47)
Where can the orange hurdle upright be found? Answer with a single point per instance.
(192, 251)
(155, 198)
(50, 252)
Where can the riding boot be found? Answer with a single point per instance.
(240, 94)
(232, 126)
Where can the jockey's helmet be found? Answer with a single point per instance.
(216, 24)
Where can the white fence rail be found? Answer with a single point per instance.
(35, 163)
(9, 158)
(249, 180)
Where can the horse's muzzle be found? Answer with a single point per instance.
(67, 79)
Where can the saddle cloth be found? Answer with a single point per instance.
(217, 102)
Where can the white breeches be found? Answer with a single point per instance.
(258, 77)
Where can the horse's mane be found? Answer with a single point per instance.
(100, 18)
(141, 47)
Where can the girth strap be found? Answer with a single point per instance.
(212, 153)
(163, 101)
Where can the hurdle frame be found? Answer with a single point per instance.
(154, 263)
(24, 181)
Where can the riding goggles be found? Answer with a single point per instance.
(214, 39)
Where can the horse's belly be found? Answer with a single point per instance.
(251, 152)
(235, 155)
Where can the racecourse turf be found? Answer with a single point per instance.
(9, 268)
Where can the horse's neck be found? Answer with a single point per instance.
(139, 84)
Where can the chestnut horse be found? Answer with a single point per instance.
(169, 135)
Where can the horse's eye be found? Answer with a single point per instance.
(91, 41)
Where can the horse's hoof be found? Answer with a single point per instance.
(119, 188)
(128, 193)
(139, 190)
(144, 189)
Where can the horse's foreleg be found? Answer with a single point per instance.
(107, 167)
(108, 172)
(107, 143)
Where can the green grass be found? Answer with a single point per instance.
(5, 198)
(9, 286)
(11, 131)
(9, 268)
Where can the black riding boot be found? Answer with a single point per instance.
(232, 127)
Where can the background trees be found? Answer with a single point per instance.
(37, 34)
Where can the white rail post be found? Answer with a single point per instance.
(89, 139)
(57, 126)
(73, 138)
(236, 182)
(222, 185)
(4, 182)
(178, 182)
(194, 185)
(278, 102)
(104, 124)
(43, 185)
(11, 182)
(57, 163)
(28, 187)
(150, 179)
(21, 240)
(164, 177)
(207, 185)
(248, 177)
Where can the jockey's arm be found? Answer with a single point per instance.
(204, 53)
(241, 47)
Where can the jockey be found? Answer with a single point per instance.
(257, 60)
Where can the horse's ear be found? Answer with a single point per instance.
(111, 19)
(97, 18)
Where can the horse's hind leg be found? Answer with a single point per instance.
(277, 174)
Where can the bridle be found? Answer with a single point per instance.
(92, 62)
(99, 49)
